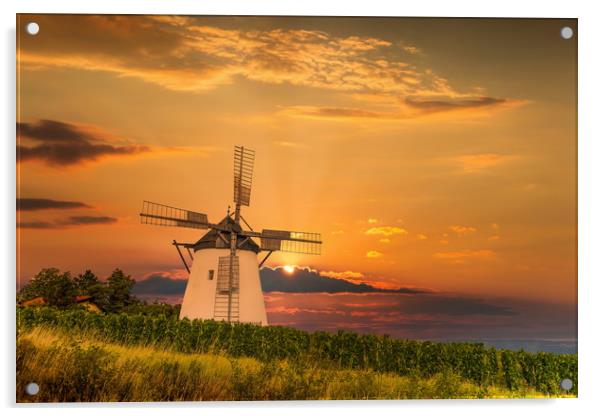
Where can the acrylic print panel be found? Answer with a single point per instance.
(275, 208)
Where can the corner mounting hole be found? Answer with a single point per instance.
(32, 389)
(566, 384)
(32, 28)
(566, 32)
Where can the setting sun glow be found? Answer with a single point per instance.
(289, 269)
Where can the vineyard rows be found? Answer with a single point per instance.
(472, 361)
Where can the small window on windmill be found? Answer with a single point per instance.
(211, 273)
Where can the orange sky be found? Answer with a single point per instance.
(437, 153)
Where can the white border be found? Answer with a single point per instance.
(590, 202)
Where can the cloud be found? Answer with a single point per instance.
(478, 162)
(417, 316)
(421, 237)
(412, 50)
(341, 275)
(372, 254)
(406, 110)
(384, 240)
(187, 54)
(372, 220)
(54, 131)
(62, 144)
(41, 225)
(284, 143)
(341, 113)
(454, 305)
(62, 154)
(433, 106)
(387, 231)
(462, 230)
(36, 204)
(465, 254)
(197, 57)
(88, 220)
(305, 280)
(73, 221)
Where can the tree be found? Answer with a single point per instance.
(88, 284)
(86, 281)
(119, 291)
(55, 287)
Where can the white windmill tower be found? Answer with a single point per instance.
(223, 281)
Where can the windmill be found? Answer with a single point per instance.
(223, 281)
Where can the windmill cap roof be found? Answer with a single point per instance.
(212, 240)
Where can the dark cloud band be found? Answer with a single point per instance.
(88, 219)
(40, 225)
(63, 144)
(54, 131)
(36, 204)
(68, 222)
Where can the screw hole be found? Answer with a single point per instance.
(32, 28)
(566, 384)
(566, 32)
(32, 389)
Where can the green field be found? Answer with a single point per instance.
(75, 355)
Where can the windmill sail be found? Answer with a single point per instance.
(159, 214)
(290, 241)
(243, 174)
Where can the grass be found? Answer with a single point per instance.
(87, 368)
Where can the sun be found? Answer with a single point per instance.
(289, 269)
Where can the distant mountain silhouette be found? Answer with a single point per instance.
(274, 280)
(159, 285)
(310, 281)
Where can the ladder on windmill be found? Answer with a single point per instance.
(226, 306)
